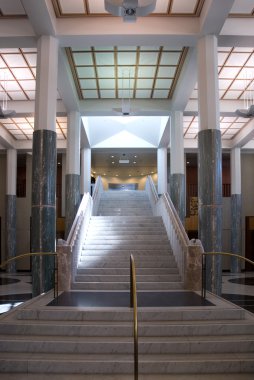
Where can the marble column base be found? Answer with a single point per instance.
(177, 193)
(193, 266)
(43, 228)
(210, 203)
(10, 234)
(236, 231)
(72, 194)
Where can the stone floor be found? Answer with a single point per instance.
(16, 288)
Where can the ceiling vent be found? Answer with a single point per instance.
(129, 10)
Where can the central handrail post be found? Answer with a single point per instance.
(133, 305)
(204, 275)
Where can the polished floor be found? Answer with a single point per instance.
(122, 299)
(238, 288)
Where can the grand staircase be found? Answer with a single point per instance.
(125, 226)
(45, 339)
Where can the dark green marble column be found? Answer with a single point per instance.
(72, 194)
(10, 241)
(236, 231)
(210, 202)
(43, 229)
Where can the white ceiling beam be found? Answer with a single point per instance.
(227, 107)
(213, 16)
(84, 140)
(186, 82)
(66, 86)
(165, 138)
(6, 139)
(26, 107)
(80, 32)
(145, 107)
(16, 33)
(244, 136)
(41, 15)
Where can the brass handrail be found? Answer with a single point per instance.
(133, 304)
(30, 254)
(217, 253)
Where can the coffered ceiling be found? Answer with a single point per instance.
(157, 73)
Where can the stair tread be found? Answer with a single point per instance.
(75, 357)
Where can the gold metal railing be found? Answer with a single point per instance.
(34, 254)
(204, 256)
(134, 305)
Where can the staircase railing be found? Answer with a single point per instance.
(98, 190)
(69, 250)
(134, 305)
(152, 193)
(204, 257)
(187, 253)
(37, 254)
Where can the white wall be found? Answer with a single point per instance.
(141, 181)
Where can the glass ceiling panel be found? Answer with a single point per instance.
(183, 6)
(229, 126)
(17, 74)
(67, 8)
(236, 73)
(21, 128)
(126, 67)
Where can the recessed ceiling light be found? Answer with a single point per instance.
(129, 175)
(134, 162)
(152, 172)
(135, 156)
(104, 173)
(187, 162)
(112, 156)
(116, 175)
(113, 162)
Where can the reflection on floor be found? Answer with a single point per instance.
(122, 299)
(238, 288)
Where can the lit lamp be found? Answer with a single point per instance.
(4, 112)
(248, 110)
(129, 10)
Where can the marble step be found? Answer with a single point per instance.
(153, 286)
(98, 262)
(126, 271)
(161, 315)
(115, 363)
(126, 203)
(123, 231)
(203, 376)
(125, 212)
(124, 345)
(125, 278)
(150, 219)
(125, 329)
(126, 245)
(140, 257)
(125, 238)
(124, 253)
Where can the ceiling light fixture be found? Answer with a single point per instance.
(248, 97)
(129, 10)
(4, 112)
